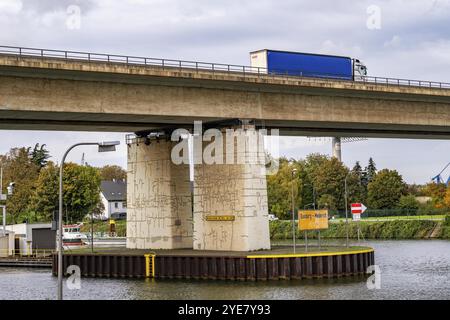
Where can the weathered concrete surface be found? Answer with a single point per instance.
(237, 190)
(78, 95)
(159, 200)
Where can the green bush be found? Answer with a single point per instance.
(409, 202)
(395, 229)
(447, 220)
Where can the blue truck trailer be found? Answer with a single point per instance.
(307, 65)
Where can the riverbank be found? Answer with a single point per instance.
(102, 227)
(389, 230)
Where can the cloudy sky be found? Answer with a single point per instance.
(405, 39)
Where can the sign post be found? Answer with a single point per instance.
(357, 210)
(312, 220)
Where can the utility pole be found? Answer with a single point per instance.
(346, 210)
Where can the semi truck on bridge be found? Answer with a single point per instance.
(308, 64)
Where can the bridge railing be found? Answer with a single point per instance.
(211, 67)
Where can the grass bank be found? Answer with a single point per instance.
(390, 229)
(102, 227)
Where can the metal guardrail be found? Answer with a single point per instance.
(207, 66)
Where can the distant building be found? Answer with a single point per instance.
(6, 243)
(423, 200)
(29, 237)
(114, 198)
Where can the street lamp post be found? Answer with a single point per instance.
(314, 208)
(294, 171)
(102, 147)
(346, 206)
(346, 209)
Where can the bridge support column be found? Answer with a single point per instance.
(159, 211)
(232, 190)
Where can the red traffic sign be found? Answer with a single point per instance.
(358, 208)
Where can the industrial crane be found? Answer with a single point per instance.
(438, 177)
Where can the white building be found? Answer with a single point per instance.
(6, 243)
(29, 237)
(114, 198)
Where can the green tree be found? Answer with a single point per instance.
(409, 202)
(81, 190)
(20, 169)
(326, 201)
(110, 173)
(356, 184)
(279, 188)
(371, 171)
(39, 156)
(45, 198)
(328, 175)
(385, 190)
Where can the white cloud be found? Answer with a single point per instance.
(413, 42)
(394, 42)
(10, 6)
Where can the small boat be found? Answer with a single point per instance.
(72, 235)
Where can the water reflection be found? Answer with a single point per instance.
(410, 270)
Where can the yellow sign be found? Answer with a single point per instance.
(112, 221)
(220, 218)
(313, 219)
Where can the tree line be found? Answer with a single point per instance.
(36, 189)
(318, 180)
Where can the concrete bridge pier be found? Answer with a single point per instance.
(159, 197)
(230, 196)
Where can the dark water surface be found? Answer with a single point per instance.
(409, 270)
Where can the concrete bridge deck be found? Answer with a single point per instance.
(58, 94)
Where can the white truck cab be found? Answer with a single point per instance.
(359, 70)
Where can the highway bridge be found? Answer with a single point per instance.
(61, 90)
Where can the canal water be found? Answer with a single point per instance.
(409, 270)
